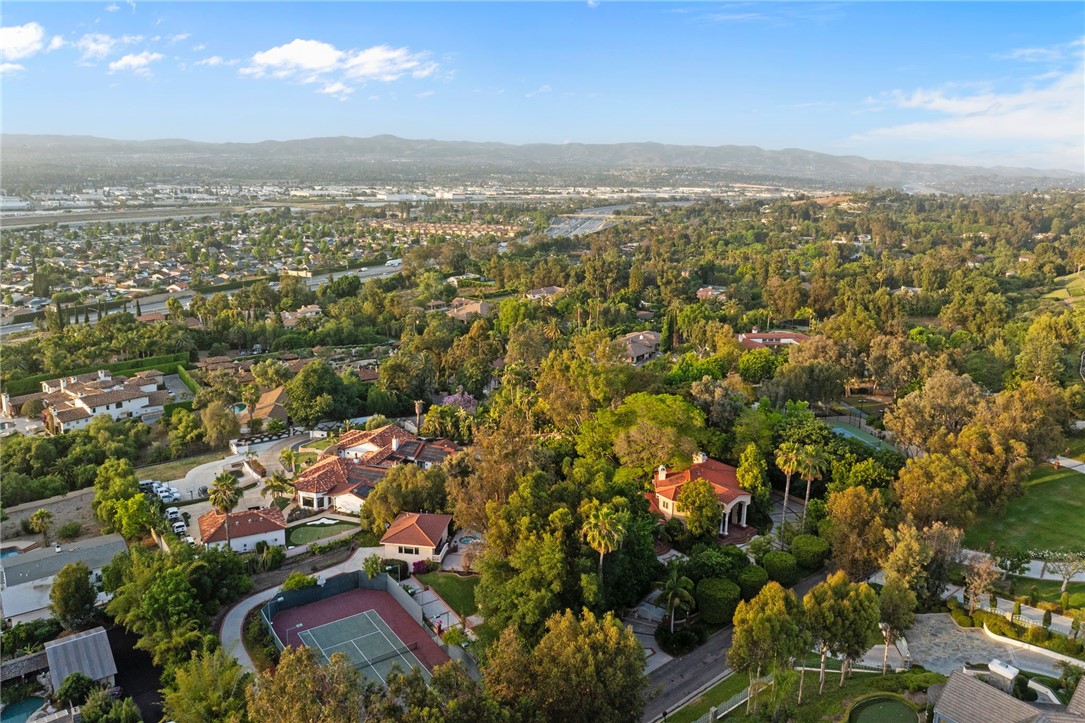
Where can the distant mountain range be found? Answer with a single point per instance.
(34, 159)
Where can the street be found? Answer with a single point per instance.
(670, 684)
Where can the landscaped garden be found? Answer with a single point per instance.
(458, 591)
(1047, 516)
(304, 534)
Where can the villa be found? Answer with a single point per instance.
(668, 484)
(415, 536)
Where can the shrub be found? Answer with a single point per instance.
(1052, 607)
(420, 567)
(717, 599)
(1037, 636)
(69, 530)
(961, 618)
(1016, 607)
(680, 643)
(726, 562)
(809, 551)
(1066, 646)
(1047, 619)
(299, 581)
(75, 689)
(751, 580)
(953, 603)
(33, 634)
(781, 567)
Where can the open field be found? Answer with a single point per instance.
(1070, 289)
(178, 468)
(458, 592)
(1048, 515)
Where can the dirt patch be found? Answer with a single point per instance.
(74, 506)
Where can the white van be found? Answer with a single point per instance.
(394, 262)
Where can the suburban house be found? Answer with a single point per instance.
(546, 293)
(72, 402)
(415, 536)
(246, 528)
(771, 339)
(27, 578)
(349, 470)
(640, 346)
(966, 699)
(467, 309)
(708, 293)
(291, 318)
(668, 484)
(271, 406)
(87, 652)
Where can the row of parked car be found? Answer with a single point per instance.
(173, 515)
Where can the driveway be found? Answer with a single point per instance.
(936, 643)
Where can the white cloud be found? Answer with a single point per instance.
(95, 46)
(212, 61)
(1047, 116)
(112, 8)
(136, 62)
(198, 47)
(20, 41)
(8, 68)
(425, 94)
(56, 43)
(541, 90)
(179, 37)
(1050, 54)
(339, 90)
(314, 61)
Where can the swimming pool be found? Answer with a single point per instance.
(238, 408)
(20, 711)
(9, 551)
(468, 539)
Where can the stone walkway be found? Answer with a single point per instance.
(936, 643)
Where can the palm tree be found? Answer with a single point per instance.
(289, 458)
(277, 486)
(40, 522)
(677, 590)
(788, 459)
(224, 495)
(604, 529)
(812, 466)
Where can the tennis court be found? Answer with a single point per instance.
(847, 430)
(367, 641)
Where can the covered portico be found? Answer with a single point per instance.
(734, 501)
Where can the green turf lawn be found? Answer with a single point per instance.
(320, 444)
(1049, 514)
(835, 700)
(1051, 590)
(304, 534)
(721, 692)
(458, 592)
(178, 468)
(1069, 288)
(1076, 448)
(866, 438)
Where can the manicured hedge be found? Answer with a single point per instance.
(810, 552)
(781, 567)
(717, 599)
(187, 379)
(751, 580)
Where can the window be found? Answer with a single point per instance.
(408, 550)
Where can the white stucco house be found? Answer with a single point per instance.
(415, 536)
(247, 528)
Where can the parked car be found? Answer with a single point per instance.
(147, 485)
(179, 528)
(173, 514)
(190, 540)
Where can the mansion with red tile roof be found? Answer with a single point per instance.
(348, 470)
(246, 528)
(668, 484)
(417, 536)
(771, 339)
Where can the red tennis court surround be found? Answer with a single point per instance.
(351, 603)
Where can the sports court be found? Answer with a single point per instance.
(368, 626)
(848, 430)
(367, 641)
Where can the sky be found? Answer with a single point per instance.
(978, 83)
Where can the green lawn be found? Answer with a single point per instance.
(1051, 590)
(178, 468)
(835, 700)
(1076, 448)
(304, 459)
(320, 444)
(1069, 288)
(1048, 515)
(304, 534)
(458, 592)
(722, 691)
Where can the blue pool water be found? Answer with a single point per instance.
(468, 539)
(19, 712)
(9, 551)
(238, 408)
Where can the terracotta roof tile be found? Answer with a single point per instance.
(242, 524)
(417, 528)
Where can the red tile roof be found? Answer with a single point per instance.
(771, 339)
(419, 529)
(381, 437)
(322, 476)
(242, 524)
(721, 476)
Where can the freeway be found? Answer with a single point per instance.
(156, 303)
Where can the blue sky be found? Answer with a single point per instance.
(980, 83)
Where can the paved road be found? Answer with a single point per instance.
(673, 682)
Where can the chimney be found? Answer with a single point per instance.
(661, 473)
(700, 458)
(103, 375)
(395, 444)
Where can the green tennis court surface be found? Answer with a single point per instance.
(869, 440)
(368, 642)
